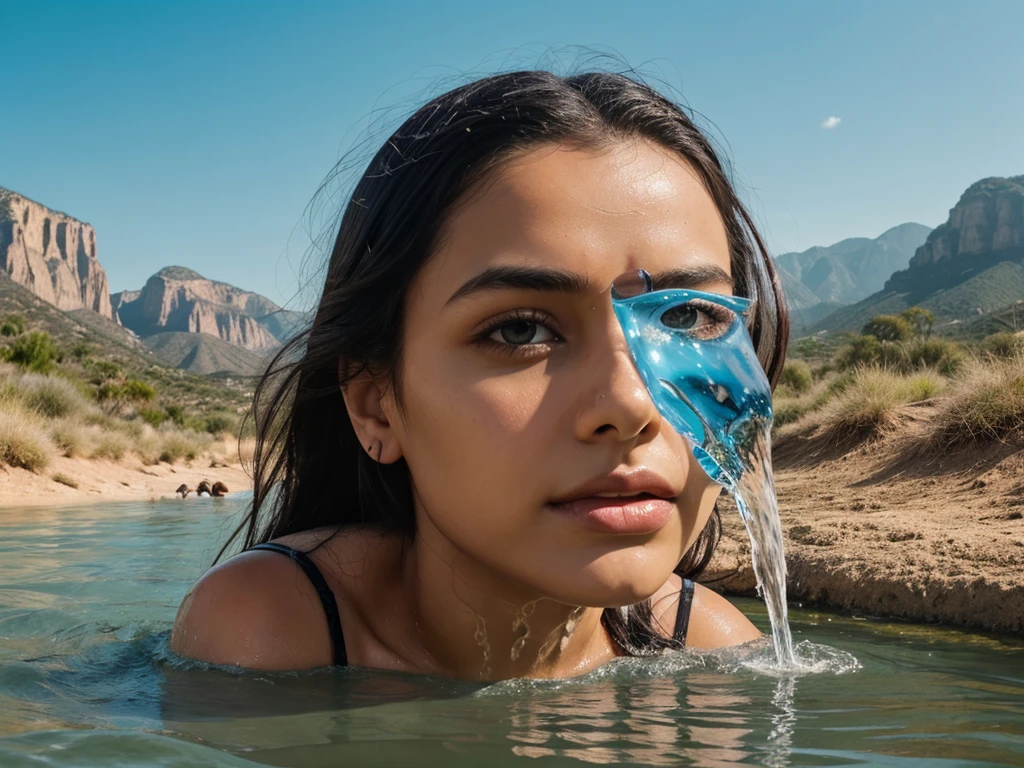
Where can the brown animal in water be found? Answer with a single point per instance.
(203, 488)
(219, 489)
(184, 490)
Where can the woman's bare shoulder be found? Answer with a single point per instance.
(714, 621)
(256, 610)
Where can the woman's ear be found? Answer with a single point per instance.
(365, 401)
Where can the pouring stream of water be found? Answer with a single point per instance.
(697, 360)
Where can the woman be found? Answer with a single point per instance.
(471, 479)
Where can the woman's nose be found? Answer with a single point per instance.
(614, 402)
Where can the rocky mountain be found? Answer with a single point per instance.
(178, 299)
(969, 266)
(855, 268)
(52, 255)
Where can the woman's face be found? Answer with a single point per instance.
(533, 446)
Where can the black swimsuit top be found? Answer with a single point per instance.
(334, 620)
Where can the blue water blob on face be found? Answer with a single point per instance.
(697, 360)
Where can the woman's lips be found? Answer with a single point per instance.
(638, 514)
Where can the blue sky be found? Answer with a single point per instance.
(197, 133)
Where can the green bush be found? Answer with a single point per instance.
(862, 350)
(136, 390)
(920, 320)
(34, 351)
(103, 370)
(888, 328)
(1003, 345)
(80, 351)
(176, 414)
(796, 375)
(221, 421)
(153, 416)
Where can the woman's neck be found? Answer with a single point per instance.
(471, 624)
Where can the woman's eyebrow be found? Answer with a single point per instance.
(692, 276)
(559, 281)
(522, 278)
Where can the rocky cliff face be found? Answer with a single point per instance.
(984, 228)
(989, 217)
(181, 300)
(51, 254)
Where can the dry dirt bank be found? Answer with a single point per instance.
(882, 530)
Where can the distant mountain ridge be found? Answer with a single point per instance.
(970, 265)
(51, 254)
(853, 269)
(179, 299)
(823, 279)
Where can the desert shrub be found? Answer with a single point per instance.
(23, 442)
(136, 390)
(986, 405)
(153, 416)
(1003, 345)
(148, 445)
(870, 403)
(888, 328)
(80, 351)
(103, 370)
(182, 444)
(942, 355)
(176, 414)
(52, 396)
(71, 437)
(862, 350)
(34, 351)
(221, 421)
(796, 375)
(920, 320)
(63, 479)
(14, 325)
(111, 445)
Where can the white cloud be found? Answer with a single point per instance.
(831, 122)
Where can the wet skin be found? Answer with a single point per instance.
(521, 412)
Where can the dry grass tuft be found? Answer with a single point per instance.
(985, 406)
(871, 403)
(180, 444)
(52, 396)
(111, 445)
(23, 442)
(71, 437)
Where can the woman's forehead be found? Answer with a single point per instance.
(596, 213)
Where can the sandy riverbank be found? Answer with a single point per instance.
(126, 480)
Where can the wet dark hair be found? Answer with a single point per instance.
(309, 467)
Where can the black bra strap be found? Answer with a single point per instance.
(683, 611)
(326, 596)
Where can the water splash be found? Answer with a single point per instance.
(698, 362)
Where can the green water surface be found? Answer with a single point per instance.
(88, 594)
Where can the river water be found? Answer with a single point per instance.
(88, 594)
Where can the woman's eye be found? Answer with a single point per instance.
(707, 322)
(522, 332)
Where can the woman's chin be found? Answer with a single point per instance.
(603, 585)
